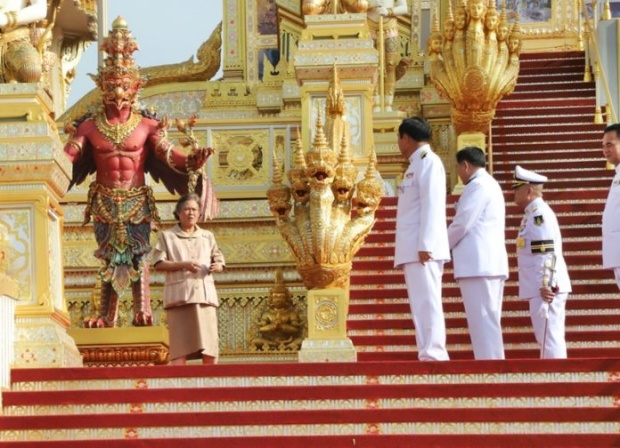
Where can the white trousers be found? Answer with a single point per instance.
(482, 297)
(617, 275)
(552, 340)
(424, 289)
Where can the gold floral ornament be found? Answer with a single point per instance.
(475, 61)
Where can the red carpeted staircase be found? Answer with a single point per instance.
(545, 125)
(388, 398)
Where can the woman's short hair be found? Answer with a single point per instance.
(182, 200)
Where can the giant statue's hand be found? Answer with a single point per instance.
(197, 158)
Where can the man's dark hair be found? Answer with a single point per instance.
(415, 127)
(472, 155)
(613, 127)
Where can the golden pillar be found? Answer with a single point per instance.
(34, 176)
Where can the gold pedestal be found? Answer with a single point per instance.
(35, 175)
(327, 328)
(123, 346)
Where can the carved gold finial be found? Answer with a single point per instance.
(336, 125)
(297, 175)
(334, 104)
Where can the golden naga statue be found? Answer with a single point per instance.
(322, 234)
(316, 7)
(475, 62)
(279, 327)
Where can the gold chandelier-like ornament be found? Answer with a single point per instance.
(322, 234)
(475, 62)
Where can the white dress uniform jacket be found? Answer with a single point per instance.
(611, 225)
(477, 232)
(421, 213)
(539, 237)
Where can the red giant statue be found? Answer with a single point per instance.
(121, 144)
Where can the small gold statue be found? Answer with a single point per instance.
(279, 326)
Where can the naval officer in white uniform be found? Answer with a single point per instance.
(422, 237)
(611, 214)
(543, 275)
(478, 242)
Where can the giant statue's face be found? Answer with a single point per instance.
(120, 91)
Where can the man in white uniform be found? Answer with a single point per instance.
(611, 215)
(422, 237)
(543, 276)
(478, 243)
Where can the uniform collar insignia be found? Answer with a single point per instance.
(423, 154)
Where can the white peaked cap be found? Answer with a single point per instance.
(523, 176)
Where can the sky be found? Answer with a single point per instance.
(166, 32)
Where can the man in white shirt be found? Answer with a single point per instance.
(611, 214)
(543, 275)
(478, 243)
(421, 236)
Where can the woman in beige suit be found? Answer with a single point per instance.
(189, 255)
